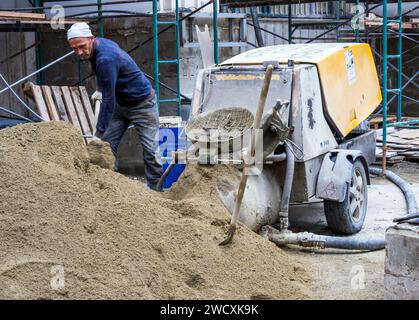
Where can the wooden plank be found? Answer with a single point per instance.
(36, 93)
(414, 142)
(59, 103)
(407, 153)
(11, 15)
(392, 139)
(40, 22)
(52, 110)
(75, 93)
(87, 107)
(395, 159)
(390, 154)
(400, 146)
(71, 111)
(380, 119)
(391, 159)
(377, 122)
(407, 134)
(393, 25)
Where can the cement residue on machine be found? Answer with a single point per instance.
(72, 230)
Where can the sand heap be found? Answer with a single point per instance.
(107, 236)
(101, 154)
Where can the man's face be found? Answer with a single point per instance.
(83, 47)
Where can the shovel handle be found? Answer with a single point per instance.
(249, 155)
(96, 115)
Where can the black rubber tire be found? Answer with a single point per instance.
(338, 215)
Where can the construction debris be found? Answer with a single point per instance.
(401, 145)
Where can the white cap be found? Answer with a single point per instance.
(79, 30)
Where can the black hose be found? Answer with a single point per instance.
(412, 207)
(306, 239)
(311, 240)
(354, 244)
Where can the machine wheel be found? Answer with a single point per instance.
(347, 217)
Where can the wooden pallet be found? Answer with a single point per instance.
(401, 145)
(377, 122)
(412, 24)
(70, 104)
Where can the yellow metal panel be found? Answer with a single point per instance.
(351, 90)
(299, 53)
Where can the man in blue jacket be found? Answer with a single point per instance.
(127, 97)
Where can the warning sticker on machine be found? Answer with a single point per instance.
(350, 66)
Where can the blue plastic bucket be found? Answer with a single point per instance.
(172, 138)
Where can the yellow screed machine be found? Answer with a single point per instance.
(316, 140)
(347, 103)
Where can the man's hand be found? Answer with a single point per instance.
(97, 96)
(94, 138)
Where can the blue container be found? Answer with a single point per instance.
(171, 139)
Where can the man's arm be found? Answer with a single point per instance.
(106, 75)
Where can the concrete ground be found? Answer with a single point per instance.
(339, 274)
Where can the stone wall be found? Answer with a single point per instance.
(401, 278)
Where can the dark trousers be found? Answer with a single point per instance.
(145, 119)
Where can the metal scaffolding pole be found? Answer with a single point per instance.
(215, 24)
(100, 21)
(385, 59)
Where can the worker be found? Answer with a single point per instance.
(128, 97)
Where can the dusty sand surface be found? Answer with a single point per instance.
(62, 217)
(100, 154)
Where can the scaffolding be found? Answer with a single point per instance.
(384, 29)
(176, 61)
(40, 7)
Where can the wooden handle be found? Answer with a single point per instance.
(251, 151)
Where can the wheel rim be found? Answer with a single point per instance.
(356, 196)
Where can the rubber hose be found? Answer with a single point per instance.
(412, 207)
(312, 240)
(354, 244)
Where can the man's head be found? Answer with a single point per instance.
(80, 38)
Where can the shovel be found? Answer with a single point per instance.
(249, 156)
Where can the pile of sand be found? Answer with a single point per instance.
(70, 229)
(101, 154)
